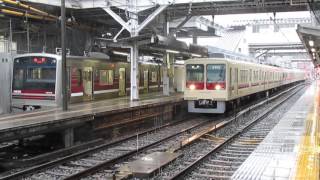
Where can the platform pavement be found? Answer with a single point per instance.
(83, 111)
(292, 149)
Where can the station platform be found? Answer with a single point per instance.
(291, 150)
(14, 125)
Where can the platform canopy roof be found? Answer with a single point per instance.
(310, 36)
(196, 7)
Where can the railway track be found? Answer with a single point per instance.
(101, 162)
(228, 151)
(106, 153)
(109, 171)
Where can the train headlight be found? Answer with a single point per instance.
(192, 87)
(217, 87)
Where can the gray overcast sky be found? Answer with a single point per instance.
(225, 20)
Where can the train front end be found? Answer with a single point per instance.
(34, 81)
(206, 87)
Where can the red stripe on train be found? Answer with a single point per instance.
(240, 86)
(216, 86)
(197, 85)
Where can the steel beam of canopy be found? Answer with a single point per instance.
(151, 17)
(182, 23)
(118, 19)
(134, 28)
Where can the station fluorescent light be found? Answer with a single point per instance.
(120, 53)
(313, 50)
(311, 43)
(195, 55)
(172, 51)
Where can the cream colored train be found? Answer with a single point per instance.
(213, 83)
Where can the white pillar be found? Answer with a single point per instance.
(165, 77)
(166, 61)
(134, 89)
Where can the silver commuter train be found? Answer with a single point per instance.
(37, 77)
(211, 83)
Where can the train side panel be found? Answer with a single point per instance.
(241, 79)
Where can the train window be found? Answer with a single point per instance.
(87, 76)
(103, 77)
(18, 78)
(244, 76)
(76, 77)
(216, 72)
(41, 74)
(153, 76)
(247, 75)
(234, 75)
(265, 75)
(79, 77)
(260, 75)
(110, 77)
(254, 79)
(250, 75)
(195, 72)
(106, 77)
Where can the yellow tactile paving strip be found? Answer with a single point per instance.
(309, 151)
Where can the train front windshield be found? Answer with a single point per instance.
(195, 76)
(34, 75)
(216, 73)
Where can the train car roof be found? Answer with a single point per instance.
(38, 54)
(237, 61)
(57, 56)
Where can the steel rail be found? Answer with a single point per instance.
(80, 154)
(111, 162)
(262, 116)
(221, 125)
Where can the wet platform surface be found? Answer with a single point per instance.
(291, 150)
(84, 110)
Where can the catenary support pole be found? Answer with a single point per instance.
(10, 52)
(165, 77)
(134, 72)
(134, 88)
(63, 54)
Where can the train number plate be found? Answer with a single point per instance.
(205, 103)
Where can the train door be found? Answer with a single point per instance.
(236, 78)
(146, 81)
(122, 81)
(230, 84)
(87, 83)
(69, 75)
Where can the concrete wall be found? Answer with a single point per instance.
(5, 82)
